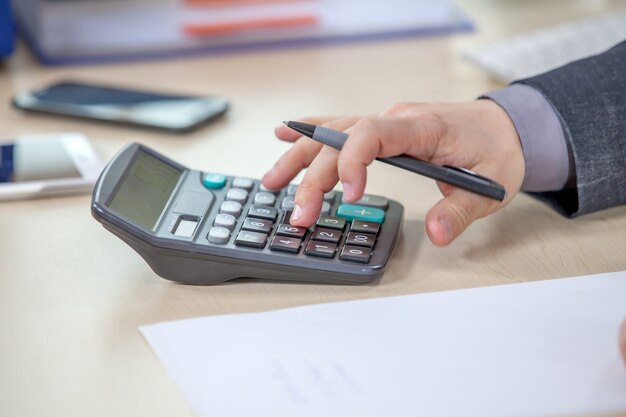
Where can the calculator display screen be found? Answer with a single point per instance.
(145, 190)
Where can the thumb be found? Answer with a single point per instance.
(452, 215)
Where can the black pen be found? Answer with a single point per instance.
(459, 177)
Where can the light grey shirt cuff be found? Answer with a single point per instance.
(546, 152)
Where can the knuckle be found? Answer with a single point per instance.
(307, 185)
(462, 213)
(434, 121)
(366, 124)
(400, 108)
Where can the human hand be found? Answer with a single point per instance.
(477, 135)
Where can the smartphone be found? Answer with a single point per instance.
(130, 107)
(44, 165)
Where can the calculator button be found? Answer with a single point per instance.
(330, 197)
(257, 225)
(371, 201)
(362, 226)
(326, 235)
(285, 244)
(252, 239)
(331, 222)
(267, 190)
(292, 231)
(352, 212)
(214, 181)
(244, 183)
(321, 249)
(218, 235)
(288, 203)
(226, 221)
(355, 254)
(231, 207)
(287, 217)
(237, 194)
(264, 199)
(263, 212)
(291, 190)
(325, 208)
(360, 239)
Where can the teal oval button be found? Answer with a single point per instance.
(214, 181)
(353, 212)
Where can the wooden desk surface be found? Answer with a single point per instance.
(72, 295)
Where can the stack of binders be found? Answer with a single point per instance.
(6, 30)
(75, 31)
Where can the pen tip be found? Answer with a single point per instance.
(285, 123)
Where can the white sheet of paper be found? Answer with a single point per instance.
(546, 348)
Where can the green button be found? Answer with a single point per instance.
(214, 181)
(353, 212)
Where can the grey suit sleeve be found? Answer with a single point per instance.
(589, 97)
(547, 157)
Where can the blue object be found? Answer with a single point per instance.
(214, 181)
(6, 30)
(353, 212)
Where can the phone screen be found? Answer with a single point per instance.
(174, 112)
(35, 161)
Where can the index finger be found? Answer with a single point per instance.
(385, 136)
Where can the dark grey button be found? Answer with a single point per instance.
(237, 194)
(257, 225)
(287, 217)
(263, 212)
(331, 222)
(218, 235)
(252, 239)
(355, 254)
(363, 226)
(264, 199)
(326, 235)
(321, 249)
(244, 183)
(193, 203)
(289, 230)
(371, 201)
(285, 244)
(361, 239)
(227, 221)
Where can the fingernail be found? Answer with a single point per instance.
(297, 213)
(348, 190)
(447, 228)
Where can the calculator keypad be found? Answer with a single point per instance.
(252, 239)
(347, 232)
(285, 244)
(226, 221)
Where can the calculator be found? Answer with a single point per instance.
(204, 228)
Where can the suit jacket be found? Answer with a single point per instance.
(589, 96)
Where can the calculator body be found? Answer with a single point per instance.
(173, 217)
